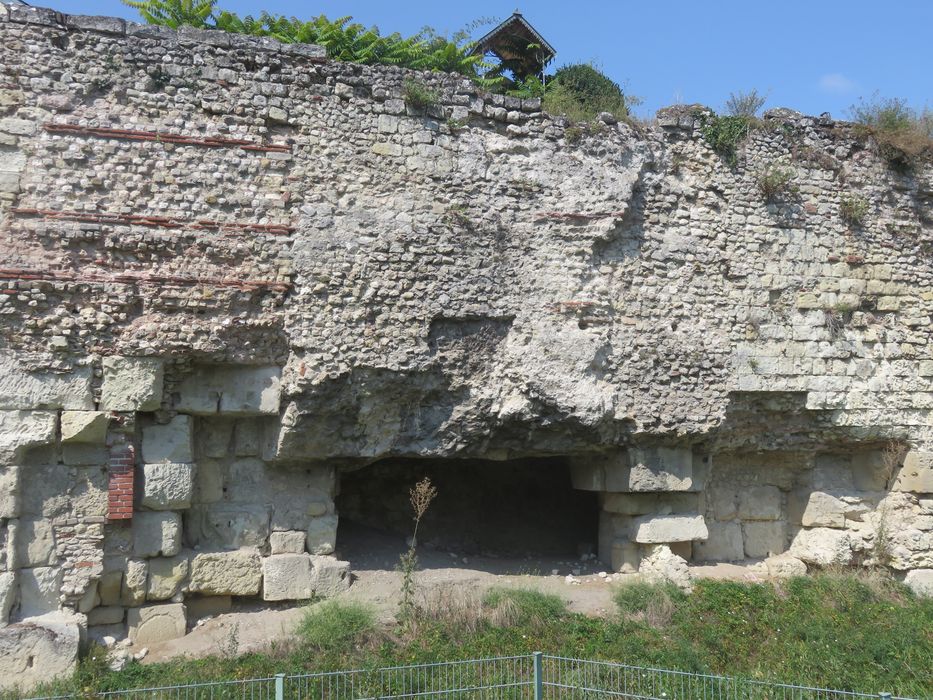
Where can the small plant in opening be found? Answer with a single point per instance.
(725, 134)
(420, 498)
(903, 135)
(853, 209)
(775, 181)
(419, 96)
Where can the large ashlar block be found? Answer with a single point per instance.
(9, 589)
(330, 576)
(166, 575)
(38, 651)
(760, 503)
(916, 474)
(226, 573)
(9, 492)
(322, 535)
(39, 590)
(168, 442)
(288, 542)
(287, 577)
(134, 579)
(232, 390)
(824, 510)
(215, 437)
(132, 384)
(156, 534)
(21, 430)
(156, 623)
(640, 469)
(23, 390)
(647, 503)
(34, 543)
(661, 529)
(869, 472)
(167, 486)
(725, 543)
(85, 427)
(822, 546)
(764, 538)
(223, 525)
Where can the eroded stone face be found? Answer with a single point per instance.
(226, 573)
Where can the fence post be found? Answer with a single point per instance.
(539, 681)
(279, 686)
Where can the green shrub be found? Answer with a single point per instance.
(580, 92)
(775, 181)
(904, 135)
(726, 133)
(419, 96)
(853, 209)
(335, 627)
(745, 104)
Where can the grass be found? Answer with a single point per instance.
(419, 96)
(904, 135)
(726, 133)
(843, 631)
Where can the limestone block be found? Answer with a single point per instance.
(228, 525)
(23, 390)
(209, 481)
(760, 503)
(9, 492)
(724, 502)
(167, 485)
(646, 503)
(156, 623)
(226, 573)
(785, 566)
(916, 474)
(764, 538)
(822, 546)
(661, 469)
(168, 442)
(287, 542)
(78, 454)
(287, 577)
(9, 589)
(132, 384)
(232, 390)
(588, 472)
(214, 437)
(868, 471)
(133, 588)
(724, 543)
(166, 575)
(106, 615)
(833, 472)
(624, 556)
(824, 510)
(109, 588)
(34, 543)
(657, 529)
(156, 534)
(247, 437)
(39, 590)
(322, 535)
(208, 606)
(38, 651)
(330, 576)
(85, 426)
(920, 581)
(660, 564)
(20, 430)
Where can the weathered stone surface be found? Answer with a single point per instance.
(156, 534)
(168, 442)
(657, 529)
(661, 469)
(106, 615)
(9, 492)
(645, 503)
(24, 390)
(167, 486)
(34, 543)
(660, 564)
(764, 538)
(132, 384)
(109, 588)
(330, 576)
(869, 472)
(760, 503)
(37, 651)
(920, 581)
(624, 556)
(785, 566)
(230, 390)
(39, 590)
(225, 525)
(824, 510)
(207, 606)
(166, 576)
(20, 430)
(85, 426)
(226, 573)
(287, 577)
(9, 589)
(322, 535)
(209, 481)
(156, 623)
(288, 542)
(724, 543)
(134, 582)
(916, 474)
(822, 546)
(215, 437)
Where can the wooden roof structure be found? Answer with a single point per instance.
(509, 43)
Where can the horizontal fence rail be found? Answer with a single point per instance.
(528, 677)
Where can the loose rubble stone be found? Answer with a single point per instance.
(920, 581)
(38, 650)
(660, 564)
(785, 566)
(822, 546)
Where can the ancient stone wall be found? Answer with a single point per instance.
(231, 268)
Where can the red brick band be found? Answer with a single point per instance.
(153, 221)
(165, 137)
(120, 486)
(139, 278)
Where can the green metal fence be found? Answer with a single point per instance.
(529, 677)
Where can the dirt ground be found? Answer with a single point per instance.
(251, 626)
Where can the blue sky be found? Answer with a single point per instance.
(814, 56)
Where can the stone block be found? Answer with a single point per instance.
(226, 525)
(106, 615)
(764, 538)
(214, 437)
(659, 529)
(9, 492)
(208, 606)
(661, 469)
(9, 589)
(85, 427)
(168, 442)
(660, 564)
(231, 390)
(624, 557)
(39, 590)
(226, 573)
(916, 474)
(156, 534)
(330, 576)
(287, 577)
(785, 566)
(80, 455)
(34, 543)
(247, 438)
(724, 543)
(288, 542)
(322, 535)
(156, 623)
(833, 472)
(724, 502)
(166, 574)
(23, 390)
(132, 384)
(822, 547)
(134, 582)
(167, 486)
(868, 471)
(22, 430)
(590, 472)
(646, 503)
(760, 503)
(109, 588)
(920, 581)
(824, 510)
(38, 651)
(209, 481)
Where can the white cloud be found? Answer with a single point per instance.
(837, 83)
